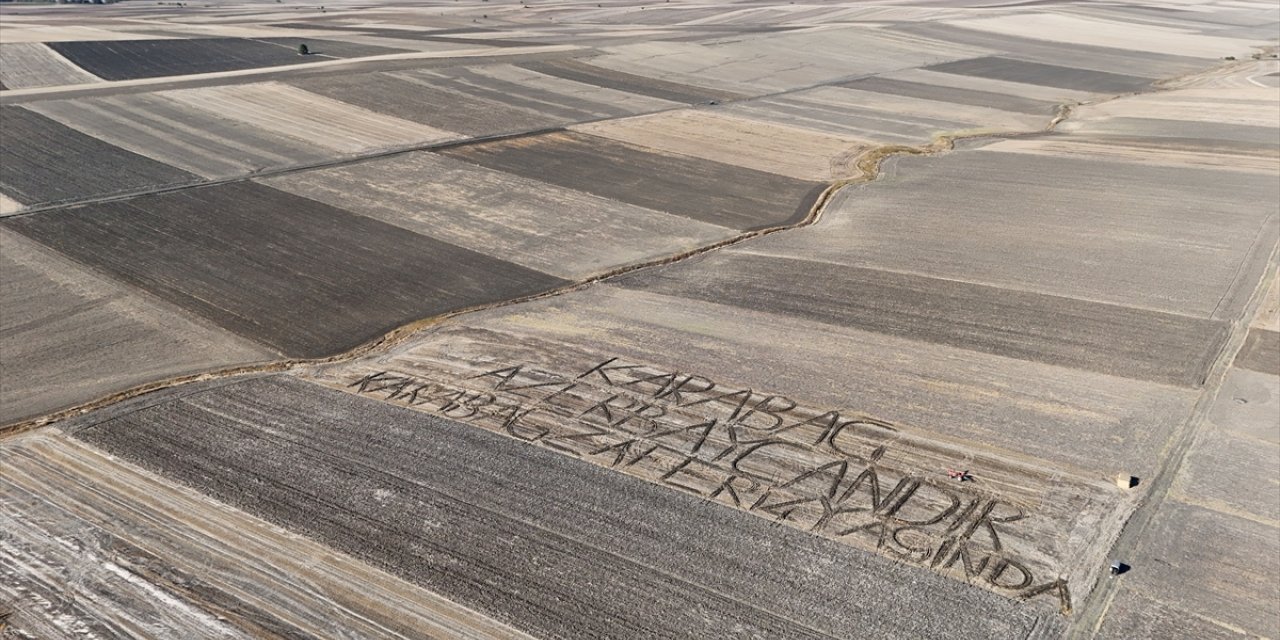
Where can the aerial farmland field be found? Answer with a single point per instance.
(503, 319)
(129, 59)
(45, 162)
(32, 64)
(742, 198)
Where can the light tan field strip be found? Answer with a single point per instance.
(799, 153)
(292, 112)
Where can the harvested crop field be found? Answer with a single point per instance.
(69, 335)
(1110, 339)
(1233, 589)
(409, 99)
(43, 161)
(503, 215)
(711, 192)
(1261, 351)
(564, 100)
(203, 142)
(584, 71)
(925, 90)
(299, 276)
(108, 549)
(1099, 31)
(770, 444)
(1114, 59)
(131, 59)
(530, 328)
(884, 118)
(1131, 224)
(1019, 92)
(32, 64)
(288, 111)
(1025, 409)
(1181, 153)
(770, 62)
(528, 536)
(1014, 70)
(721, 137)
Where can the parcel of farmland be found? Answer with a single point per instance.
(535, 320)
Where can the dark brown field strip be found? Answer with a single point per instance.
(1122, 341)
(1261, 351)
(536, 539)
(713, 192)
(303, 277)
(1046, 75)
(44, 161)
(579, 71)
(130, 59)
(448, 110)
(973, 97)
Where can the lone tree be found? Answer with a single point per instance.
(303, 50)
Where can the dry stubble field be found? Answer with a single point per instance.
(509, 320)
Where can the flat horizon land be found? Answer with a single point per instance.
(534, 319)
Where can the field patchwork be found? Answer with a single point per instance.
(566, 233)
(107, 549)
(714, 135)
(45, 162)
(69, 335)
(292, 112)
(301, 277)
(770, 62)
(564, 100)
(537, 539)
(205, 143)
(414, 99)
(571, 320)
(1172, 239)
(884, 118)
(1027, 531)
(710, 192)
